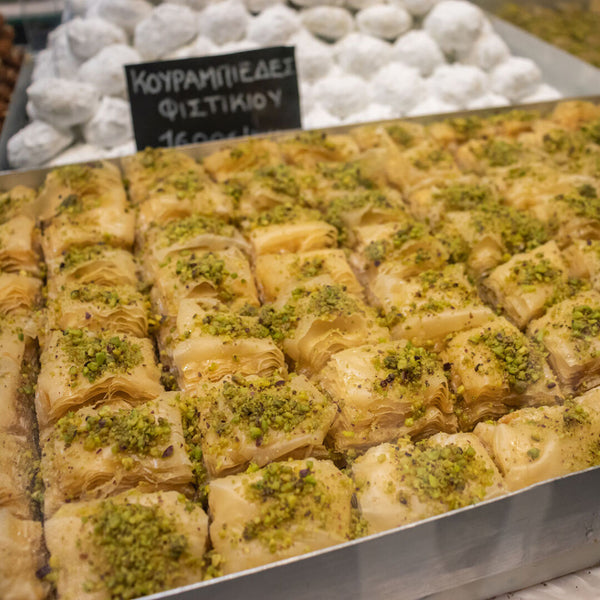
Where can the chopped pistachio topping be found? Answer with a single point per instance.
(449, 474)
(405, 366)
(466, 127)
(532, 272)
(74, 204)
(192, 433)
(9, 203)
(311, 267)
(585, 202)
(591, 130)
(75, 176)
(575, 414)
(284, 496)
(345, 176)
(201, 266)
(75, 256)
(231, 325)
(315, 138)
(585, 322)
(331, 299)
(285, 213)
(378, 250)
(280, 179)
(95, 355)
(519, 231)
(262, 405)
(500, 153)
(520, 364)
(463, 196)
(279, 323)
(400, 135)
(431, 158)
(235, 189)
(110, 297)
(141, 547)
(127, 431)
(184, 229)
(185, 184)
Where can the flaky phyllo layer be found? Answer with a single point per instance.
(210, 365)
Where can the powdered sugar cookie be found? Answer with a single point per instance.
(105, 69)
(224, 22)
(166, 28)
(89, 36)
(62, 102)
(384, 21)
(418, 49)
(329, 22)
(36, 144)
(275, 25)
(515, 78)
(362, 54)
(455, 25)
(399, 86)
(111, 124)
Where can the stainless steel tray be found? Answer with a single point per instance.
(474, 553)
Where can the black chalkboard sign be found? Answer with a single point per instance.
(175, 102)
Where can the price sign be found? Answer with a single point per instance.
(191, 100)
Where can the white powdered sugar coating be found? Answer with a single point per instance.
(328, 22)
(308, 99)
(487, 52)
(43, 65)
(88, 36)
(342, 95)
(314, 58)
(399, 86)
(418, 8)
(36, 144)
(76, 154)
(30, 110)
(515, 78)
(240, 46)
(62, 102)
(418, 49)
(201, 46)
(360, 4)
(257, 6)
(458, 84)
(384, 21)
(105, 69)
(362, 54)
(65, 62)
(124, 13)
(373, 112)
(455, 25)
(431, 106)
(274, 26)
(111, 124)
(166, 28)
(543, 93)
(319, 117)
(489, 100)
(224, 22)
(310, 3)
(193, 4)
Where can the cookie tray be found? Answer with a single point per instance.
(474, 553)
